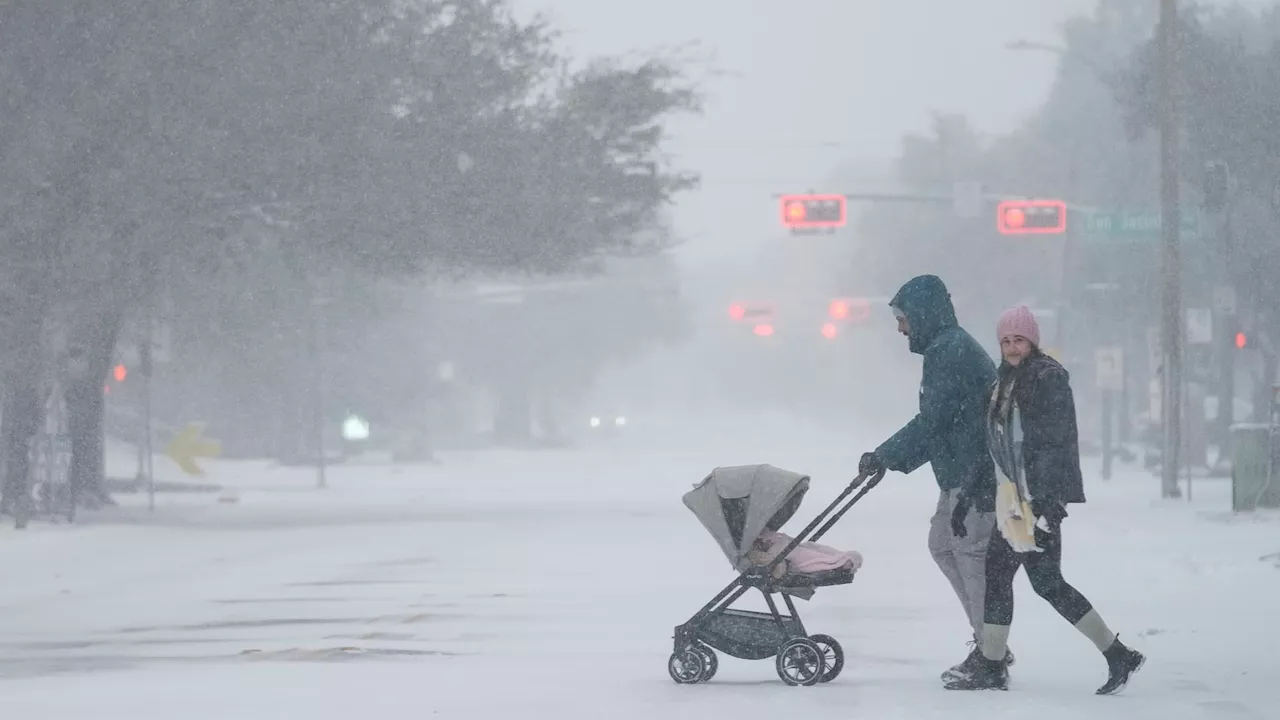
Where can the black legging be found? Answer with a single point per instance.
(1044, 570)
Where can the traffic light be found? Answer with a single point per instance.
(120, 372)
(814, 211)
(1031, 217)
(1242, 341)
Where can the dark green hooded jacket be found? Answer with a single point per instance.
(950, 430)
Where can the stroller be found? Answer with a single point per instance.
(737, 505)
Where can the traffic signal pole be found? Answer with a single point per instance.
(1219, 202)
(148, 368)
(1171, 265)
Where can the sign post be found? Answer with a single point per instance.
(1109, 362)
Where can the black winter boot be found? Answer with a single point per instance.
(1122, 663)
(965, 667)
(986, 675)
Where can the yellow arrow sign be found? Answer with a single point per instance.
(189, 445)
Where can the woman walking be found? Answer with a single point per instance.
(1032, 435)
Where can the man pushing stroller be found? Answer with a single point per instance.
(972, 418)
(949, 431)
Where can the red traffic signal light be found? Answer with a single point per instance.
(1242, 341)
(1031, 217)
(814, 211)
(120, 372)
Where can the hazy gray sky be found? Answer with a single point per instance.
(856, 72)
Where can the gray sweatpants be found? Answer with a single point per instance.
(963, 560)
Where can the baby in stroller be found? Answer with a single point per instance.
(806, 558)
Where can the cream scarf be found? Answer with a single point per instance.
(1013, 507)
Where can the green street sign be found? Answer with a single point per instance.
(1132, 225)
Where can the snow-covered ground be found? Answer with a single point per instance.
(547, 583)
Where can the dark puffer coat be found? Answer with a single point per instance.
(1050, 448)
(949, 431)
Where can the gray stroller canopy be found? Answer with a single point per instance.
(736, 504)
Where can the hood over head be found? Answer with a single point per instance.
(927, 305)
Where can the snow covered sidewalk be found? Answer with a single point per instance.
(490, 587)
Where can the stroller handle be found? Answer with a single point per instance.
(870, 480)
(863, 480)
(862, 477)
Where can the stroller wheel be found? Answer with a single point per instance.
(800, 662)
(832, 654)
(687, 666)
(710, 663)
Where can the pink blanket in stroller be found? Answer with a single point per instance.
(808, 557)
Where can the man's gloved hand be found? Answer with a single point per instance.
(1051, 510)
(958, 515)
(870, 464)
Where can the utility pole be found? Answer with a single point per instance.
(316, 305)
(146, 361)
(1218, 203)
(1171, 266)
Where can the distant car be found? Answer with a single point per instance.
(607, 423)
(813, 317)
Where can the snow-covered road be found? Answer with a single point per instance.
(547, 584)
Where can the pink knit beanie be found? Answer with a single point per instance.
(1018, 321)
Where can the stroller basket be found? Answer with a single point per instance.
(748, 634)
(736, 505)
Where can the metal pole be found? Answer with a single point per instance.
(1186, 397)
(140, 441)
(1227, 345)
(147, 369)
(317, 354)
(140, 436)
(1171, 269)
(1067, 256)
(1108, 412)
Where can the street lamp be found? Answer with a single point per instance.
(1103, 75)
